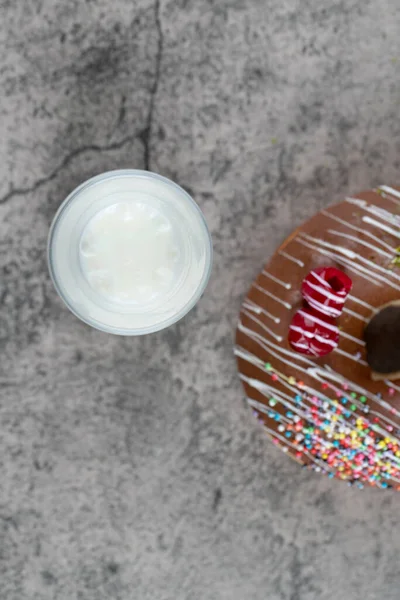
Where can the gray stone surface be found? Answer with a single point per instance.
(130, 468)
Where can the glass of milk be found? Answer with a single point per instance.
(129, 252)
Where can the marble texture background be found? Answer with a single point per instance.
(131, 468)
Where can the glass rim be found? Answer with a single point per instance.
(115, 174)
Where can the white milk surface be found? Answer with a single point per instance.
(129, 252)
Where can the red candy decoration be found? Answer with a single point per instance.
(311, 334)
(313, 330)
(325, 289)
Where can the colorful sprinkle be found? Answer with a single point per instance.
(336, 432)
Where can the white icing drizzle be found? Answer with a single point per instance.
(351, 357)
(267, 293)
(251, 358)
(287, 286)
(340, 260)
(382, 431)
(299, 357)
(264, 387)
(320, 307)
(383, 214)
(358, 229)
(354, 314)
(343, 426)
(275, 434)
(261, 341)
(278, 338)
(360, 302)
(390, 384)
(254, 360)
(268, 391)
(323, 340)
(320, 279)
(287, 403)
(389, 198)
(352, 338)
(265, 344)
(380, 268)
(359, 269)
(305, 402)
(342, 249)
(327, 374)
(352, 255)
(254, 307)
(357, 240)
(302, 331)
(292, 258)
(325, 292)
(389, 190)
(263, 408)
(352, 298)
(312, 370)
(301, 346)
(381, 226)
(318, 321)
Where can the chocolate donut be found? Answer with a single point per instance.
(333, 414)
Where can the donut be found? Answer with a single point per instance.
(336, 409)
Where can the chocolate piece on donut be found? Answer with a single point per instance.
(327, 412)
(382, 337)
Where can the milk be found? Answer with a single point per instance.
(129, 252)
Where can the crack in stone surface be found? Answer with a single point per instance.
(146, 133)
(13, 192)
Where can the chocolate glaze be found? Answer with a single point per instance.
(364, 250)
